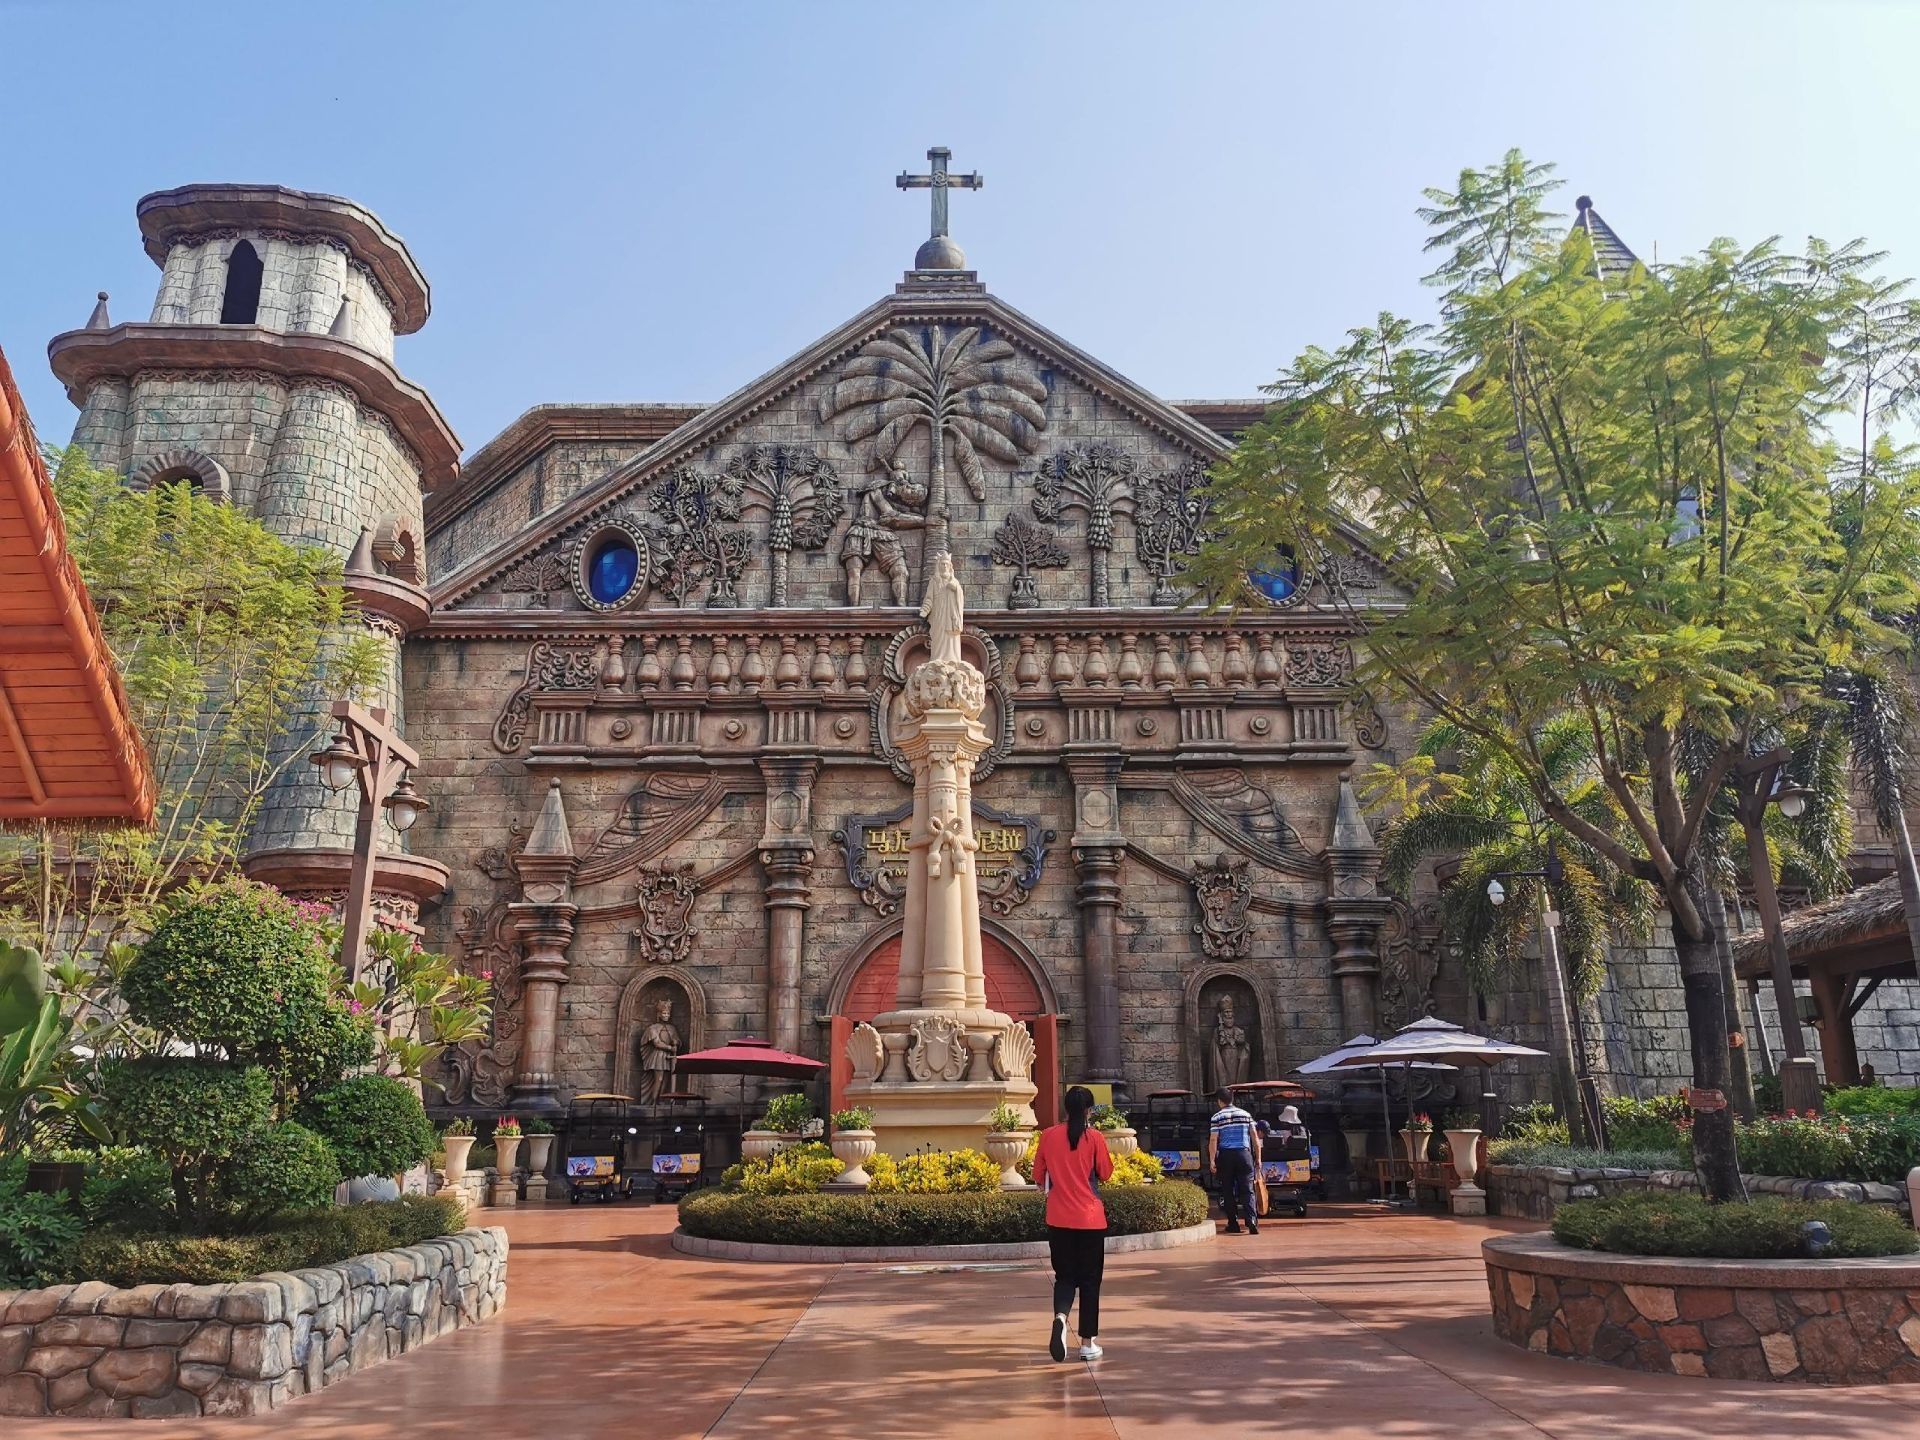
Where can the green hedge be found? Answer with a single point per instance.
(316, 1237)
(1765, 1229)
(995, 1218)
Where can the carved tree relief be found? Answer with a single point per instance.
(801, 496)
(1097, 479)
(538, 576)
(1021, 543)
(964, 386)
(701, 542)
(1171, 517)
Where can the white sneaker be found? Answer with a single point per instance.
(1091, 1350)
(1057, 1341)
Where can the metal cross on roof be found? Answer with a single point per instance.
(939, 182)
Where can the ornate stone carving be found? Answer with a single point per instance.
(889, 505)
(1097, 479)
(937, 1048)
(1172, 515)
(1322, 663)
(1223, 891)
(1410, 959)
(866, 1052)
(665, 931)
(893, 680)
(699, 540)
(660, 1046)
(396, 545)
(1353, 572)
(1021, 543)
(1008, 865)
(549, 667)
(1013, 1054)
(1231, 1052)
(800, 494)
(964, 385)
(481, 1072)
(946, 685)
(1369, 725)
(590, 542)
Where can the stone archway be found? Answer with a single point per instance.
(863, 985)
(661, 983)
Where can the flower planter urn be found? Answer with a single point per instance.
(1123, 1142)
(759, 1144)
(457, 1147)
(1416, 1142)
(1356, 1149)
(539, 1151)
(1005, 1148)
(506, 1149)
(1466, 1198)
(853, 1148)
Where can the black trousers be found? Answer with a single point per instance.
(1079, 1260)
(1235, 1171)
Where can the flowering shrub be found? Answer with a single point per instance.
(506, 1128)
(1421, 1121)
(794, 1170)
(944, 1172)
(1140, 1168)
(858, 1118)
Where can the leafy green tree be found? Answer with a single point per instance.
(217, 626)
(1615, 497)
(375, 1124)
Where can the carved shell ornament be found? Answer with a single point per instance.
(1013, 1053)
(865, 1051)
(939, 1049)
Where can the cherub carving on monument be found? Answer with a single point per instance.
(659, 1048)
(1230, 1048)
(945, 610)
(881, 510)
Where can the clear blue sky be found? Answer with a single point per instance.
(658, 202)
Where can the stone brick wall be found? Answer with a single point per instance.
(174, 1350)
(300, 288)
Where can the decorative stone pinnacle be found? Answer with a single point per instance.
(939, 253)
(98, 319)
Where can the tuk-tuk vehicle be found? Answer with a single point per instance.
(1176, 1131)
(598, 1128)
(1289, 1160)
(679, 1135)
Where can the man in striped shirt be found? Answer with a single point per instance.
(1233, 1154)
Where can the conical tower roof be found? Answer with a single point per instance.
(1612, 258)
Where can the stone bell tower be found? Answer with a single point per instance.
(264, 377)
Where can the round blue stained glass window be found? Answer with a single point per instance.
(614, 568)
(1280, 580)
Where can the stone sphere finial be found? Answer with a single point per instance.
(940, 253)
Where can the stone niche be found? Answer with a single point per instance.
(640, 1005)
(159, 1351)
(1227, 1037)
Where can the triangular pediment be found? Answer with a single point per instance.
(1068, 484)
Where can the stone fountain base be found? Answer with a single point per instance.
(933, 1078)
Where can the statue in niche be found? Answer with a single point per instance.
(945, 610)
(1231, 1050)
(880, 512)
(659, 1048)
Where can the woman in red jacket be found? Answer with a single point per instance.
(1071, 1161)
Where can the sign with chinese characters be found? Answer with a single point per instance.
(1012, 853)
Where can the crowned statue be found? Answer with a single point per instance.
(944, 609)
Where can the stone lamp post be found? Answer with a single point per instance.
(935, 1067)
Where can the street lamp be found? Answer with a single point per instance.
(1575, 1088)
(368, 749)
(1759, 781)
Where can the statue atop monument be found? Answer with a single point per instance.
(944, 609)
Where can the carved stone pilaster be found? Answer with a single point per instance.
(786, 855)
(543, 920)
(1098, 847)
(1355, 914)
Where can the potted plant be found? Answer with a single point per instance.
(539, 1145)
(1417, 1135)
(506, 1145)
(1121, 1138)
(784, 1123)
(458, 1140)
(853, 1145)
(1463, 1143)
(1007, 1133)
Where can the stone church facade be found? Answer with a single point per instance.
(652, 655)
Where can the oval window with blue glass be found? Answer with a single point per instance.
(1281, 580)
(612, 567)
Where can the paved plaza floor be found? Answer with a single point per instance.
(1353, 1322)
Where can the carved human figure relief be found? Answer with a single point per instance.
(659, 1048)
(1231, 1050)
(945, 610)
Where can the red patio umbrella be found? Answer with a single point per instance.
(747, 1056)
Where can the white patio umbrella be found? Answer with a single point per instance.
(1431, 1041)
(1353, 1056)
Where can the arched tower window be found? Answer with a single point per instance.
(241, 304)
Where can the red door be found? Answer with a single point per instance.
(1010, 988)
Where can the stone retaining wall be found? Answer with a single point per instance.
(166, 1350)
(1534, 1192)
(1823, 1322)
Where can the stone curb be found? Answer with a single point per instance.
(1541, 1254)
(887, 1254)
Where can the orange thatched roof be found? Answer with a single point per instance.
(68, 749)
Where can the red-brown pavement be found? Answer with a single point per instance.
(1350, 1323)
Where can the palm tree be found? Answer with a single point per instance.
(1096, 479)
(1461, 798)
(1880, 733)
(801, 497)
(962, 385)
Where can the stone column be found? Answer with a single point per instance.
(786, 854)
(1098, 847)
(543, 919)
(1355, 912)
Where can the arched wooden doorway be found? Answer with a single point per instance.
(1010, 984)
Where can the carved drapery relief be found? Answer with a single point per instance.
(1098, 480)
(698, 542)
(660, 811)
(893, 680)
(665, 931)
(1223, 891)
(800, 495)
(549, 667)
(1022, 544)
(1172, 517)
